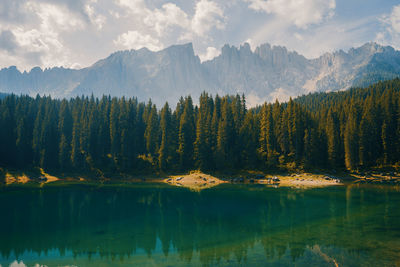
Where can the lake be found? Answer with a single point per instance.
(229, 225)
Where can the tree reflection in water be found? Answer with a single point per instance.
(227, 225)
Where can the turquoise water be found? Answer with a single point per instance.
(230, 225)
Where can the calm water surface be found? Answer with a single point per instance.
(230, 225)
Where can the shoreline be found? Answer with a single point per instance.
(197, 181)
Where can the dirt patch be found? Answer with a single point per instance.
(302, 180)
(194, 181)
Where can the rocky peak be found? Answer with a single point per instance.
(267, 73)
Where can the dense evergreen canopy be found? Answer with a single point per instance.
(354, 129)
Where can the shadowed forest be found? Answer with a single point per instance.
(353, 130)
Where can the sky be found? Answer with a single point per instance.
(77, 33)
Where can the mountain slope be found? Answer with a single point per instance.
(59, 82)
(263, 74)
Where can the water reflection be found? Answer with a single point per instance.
(227, 225)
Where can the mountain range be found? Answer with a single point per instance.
(264, 74)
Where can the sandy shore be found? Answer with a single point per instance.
(194, 181)
(199, 181)
(301, 180)
(23, 178)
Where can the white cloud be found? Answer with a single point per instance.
(300, 13)
(38, 47)
(311, 43)
(79, 32)
(153, 26)
(96, 19)
(390, 33)
(136, 40)
(55, 17)
(135, 6)
(169, 15)
(211, 53)
(207, 15)
(39, 42)
(395, 19)
(11, 12)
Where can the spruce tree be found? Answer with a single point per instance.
(333, 139)
(202, 145)
(165, 151)
(225, 137)
(186, 136)
(152, 132)
(65, 130)
(115, 134)
(351, 142)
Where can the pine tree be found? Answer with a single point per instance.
(37, 131)
(216, 116)
(186, 136)
(388, 131)
(311, 153)
(125, 137)
(115, 134)
(165, 151)
(7, 132)
(140, 129)
(369, 139)
(225, 137)
(152, 132)
(76, 153)
(103, 134)
(333, 139)
(355, 128)
(25, 116)
(65, 130)
(351, 142)
(50, 140)
(130, 149)
(263, 133)
(249, 135)
(202, 145)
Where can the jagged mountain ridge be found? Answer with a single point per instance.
(263, 74)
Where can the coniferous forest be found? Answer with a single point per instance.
(354, 130)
